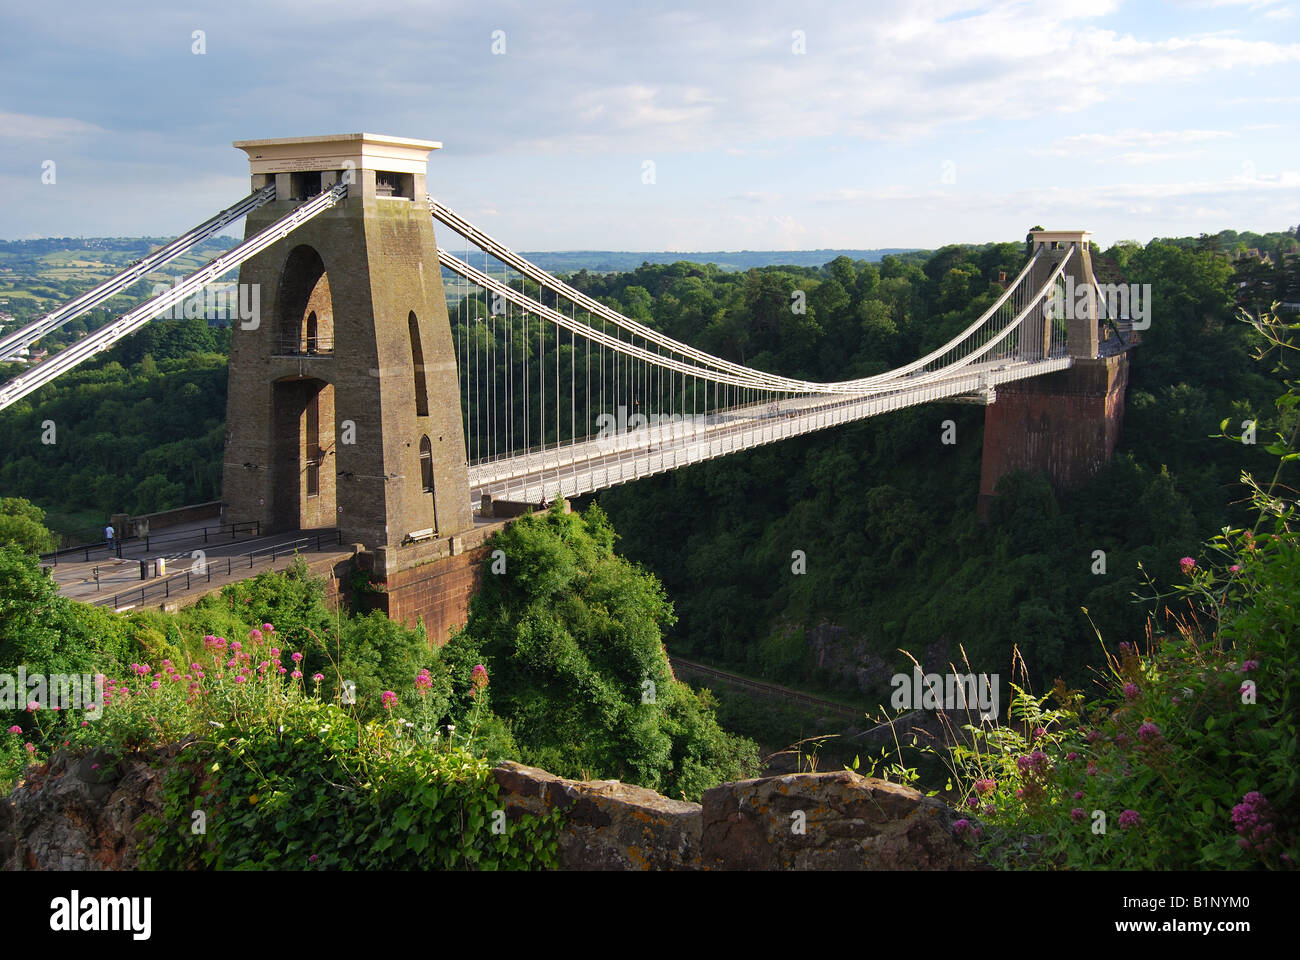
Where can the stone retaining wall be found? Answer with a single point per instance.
(85, 813)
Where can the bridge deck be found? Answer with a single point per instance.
(575, 469)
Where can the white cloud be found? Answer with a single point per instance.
(25, 126)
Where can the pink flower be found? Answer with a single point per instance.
(239, 678)
(33, 706)
(479, 678)
(1253, 821)
(1249, 665)
(423, 682)
(15, 729)
(960, 826)
(1130, 691)
(1129, 818)
(318, 677)
(31, 747)
(155, 685)
(1077, 814)
(267, 628)
(1078, 794)
(1188, 564)
(255, 635)
(1235, 568)
(297, 675)
(1071, 756)
(985, 787)
(236, 646)
(275, 652)
(388, 699)
(296, 657)
(972, 802)
(1149, 733)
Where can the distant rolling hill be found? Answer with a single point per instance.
(41, 257)
(617, 261)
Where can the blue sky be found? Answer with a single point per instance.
(900, 124)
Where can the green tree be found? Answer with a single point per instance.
(22, 524)
(571, 637)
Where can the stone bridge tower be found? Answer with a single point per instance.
(344, 405)
(1065, 424)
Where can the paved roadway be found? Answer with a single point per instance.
(104, 575)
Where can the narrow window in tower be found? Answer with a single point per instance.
(417, 364)
(312, 454)
(426, 464)
(311, 332)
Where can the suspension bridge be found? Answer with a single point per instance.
(400, 393)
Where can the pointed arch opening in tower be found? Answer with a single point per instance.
(417, 364)
(304, 307)
(426, 464)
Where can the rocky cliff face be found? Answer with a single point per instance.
(80, 812)
(84, 813)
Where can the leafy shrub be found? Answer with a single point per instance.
(287, 781)
(323, 791)
(571, 635)
(1189, 759)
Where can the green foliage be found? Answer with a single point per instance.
(886, 514)
(286, 781)
(1189, 758)
(133, 438)
(320, 791)
(571, 636)
(49, 633)
(22, 524)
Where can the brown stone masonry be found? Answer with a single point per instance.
(1066, 424)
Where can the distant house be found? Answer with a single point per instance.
(1253, 254)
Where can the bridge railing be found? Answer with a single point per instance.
(607, 469)
(114, 548)
(182, 582)
(303, 347)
